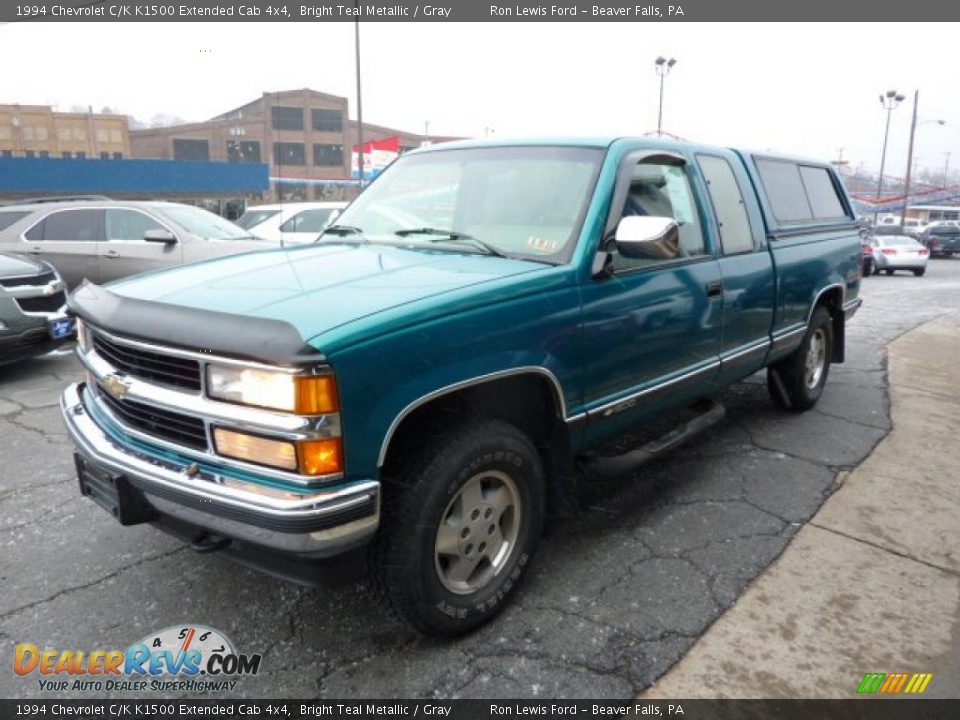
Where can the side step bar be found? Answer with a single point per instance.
(616, 465)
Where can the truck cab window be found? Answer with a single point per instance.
(661, 190)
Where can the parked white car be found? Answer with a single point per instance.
(290, 222)
(899, 252)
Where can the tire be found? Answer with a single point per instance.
(795, 386)
(919, 273)
(889, 272)
(481, 480)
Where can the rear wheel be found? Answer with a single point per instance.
(458, 528)
(796, 382)
(889, 272)
(919, 272)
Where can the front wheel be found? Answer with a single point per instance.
(919, 273)
(459, 526)
(796, 382)
(889, 272)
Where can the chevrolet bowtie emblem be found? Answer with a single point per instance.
(116, 386)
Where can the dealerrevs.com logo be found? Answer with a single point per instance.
(188, 658)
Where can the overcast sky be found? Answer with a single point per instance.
(806, 89)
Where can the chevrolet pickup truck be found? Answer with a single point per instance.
(436, 376)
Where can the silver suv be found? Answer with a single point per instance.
(102, 240)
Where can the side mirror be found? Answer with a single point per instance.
(864, 234)
(159, 235)
(643, 237)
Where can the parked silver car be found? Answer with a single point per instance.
(33, 313)
(104, 240)
(899, 252)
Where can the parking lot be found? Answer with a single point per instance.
(616, 597)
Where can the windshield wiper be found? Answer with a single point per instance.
(341, 230)
(452, 236)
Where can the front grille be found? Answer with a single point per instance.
(44, 279)
(148, 365)
(172, 426)
(44, 303)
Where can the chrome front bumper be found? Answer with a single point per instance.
(314, 523)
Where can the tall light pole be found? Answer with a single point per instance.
(356, 46)
(906, 182)
(662, 66)
(889, 101)
(946, 167)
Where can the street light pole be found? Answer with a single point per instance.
(946, 167)
(356, 45)
(662, 67)
(889, 101)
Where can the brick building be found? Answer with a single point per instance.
(304, 136)
(36, 131)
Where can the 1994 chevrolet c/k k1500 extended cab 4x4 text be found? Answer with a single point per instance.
(429, 379)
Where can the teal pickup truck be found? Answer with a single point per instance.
(433, 379)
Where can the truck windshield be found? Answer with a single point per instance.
(525, 202)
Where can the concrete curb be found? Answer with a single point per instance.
(872, 582)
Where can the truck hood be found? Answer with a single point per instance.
(318, 288)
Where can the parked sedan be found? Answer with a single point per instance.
(106, 240)
(899, 252)
(942, 239)
(290, 222)
(32, 314)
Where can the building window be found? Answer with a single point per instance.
(328, 155)
(29, 153)
(286, 118)
(327, 120)
(243, 151)
(290, 191)
(104, 156)
(289, 154)
(81, 155)
(43, 154)
(184, 149)
(6, 153)
(118, 156)
(67, 155)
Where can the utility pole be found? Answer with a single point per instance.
(356, 44)
(913, 130)
(889, 101)
(946, 167)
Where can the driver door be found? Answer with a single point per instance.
(652, 325)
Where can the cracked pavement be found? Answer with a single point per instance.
(613, 600)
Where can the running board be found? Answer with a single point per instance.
(616, 465)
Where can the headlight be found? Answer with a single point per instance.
(311, 457)
(301, 394)
(83, 336)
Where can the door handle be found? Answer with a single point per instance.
(111, 254)
(715, 288)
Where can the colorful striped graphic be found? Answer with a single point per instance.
(894, 683)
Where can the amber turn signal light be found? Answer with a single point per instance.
(321, 457)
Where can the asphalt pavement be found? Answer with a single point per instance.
(615, 598)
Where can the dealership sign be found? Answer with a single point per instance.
(377, 154)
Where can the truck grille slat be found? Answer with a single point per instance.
(148, 365)
(177, 428)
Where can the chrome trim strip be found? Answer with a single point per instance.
(94, 443)
(608, 408)
(479, 380)
(813, 305)
(763, 345)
